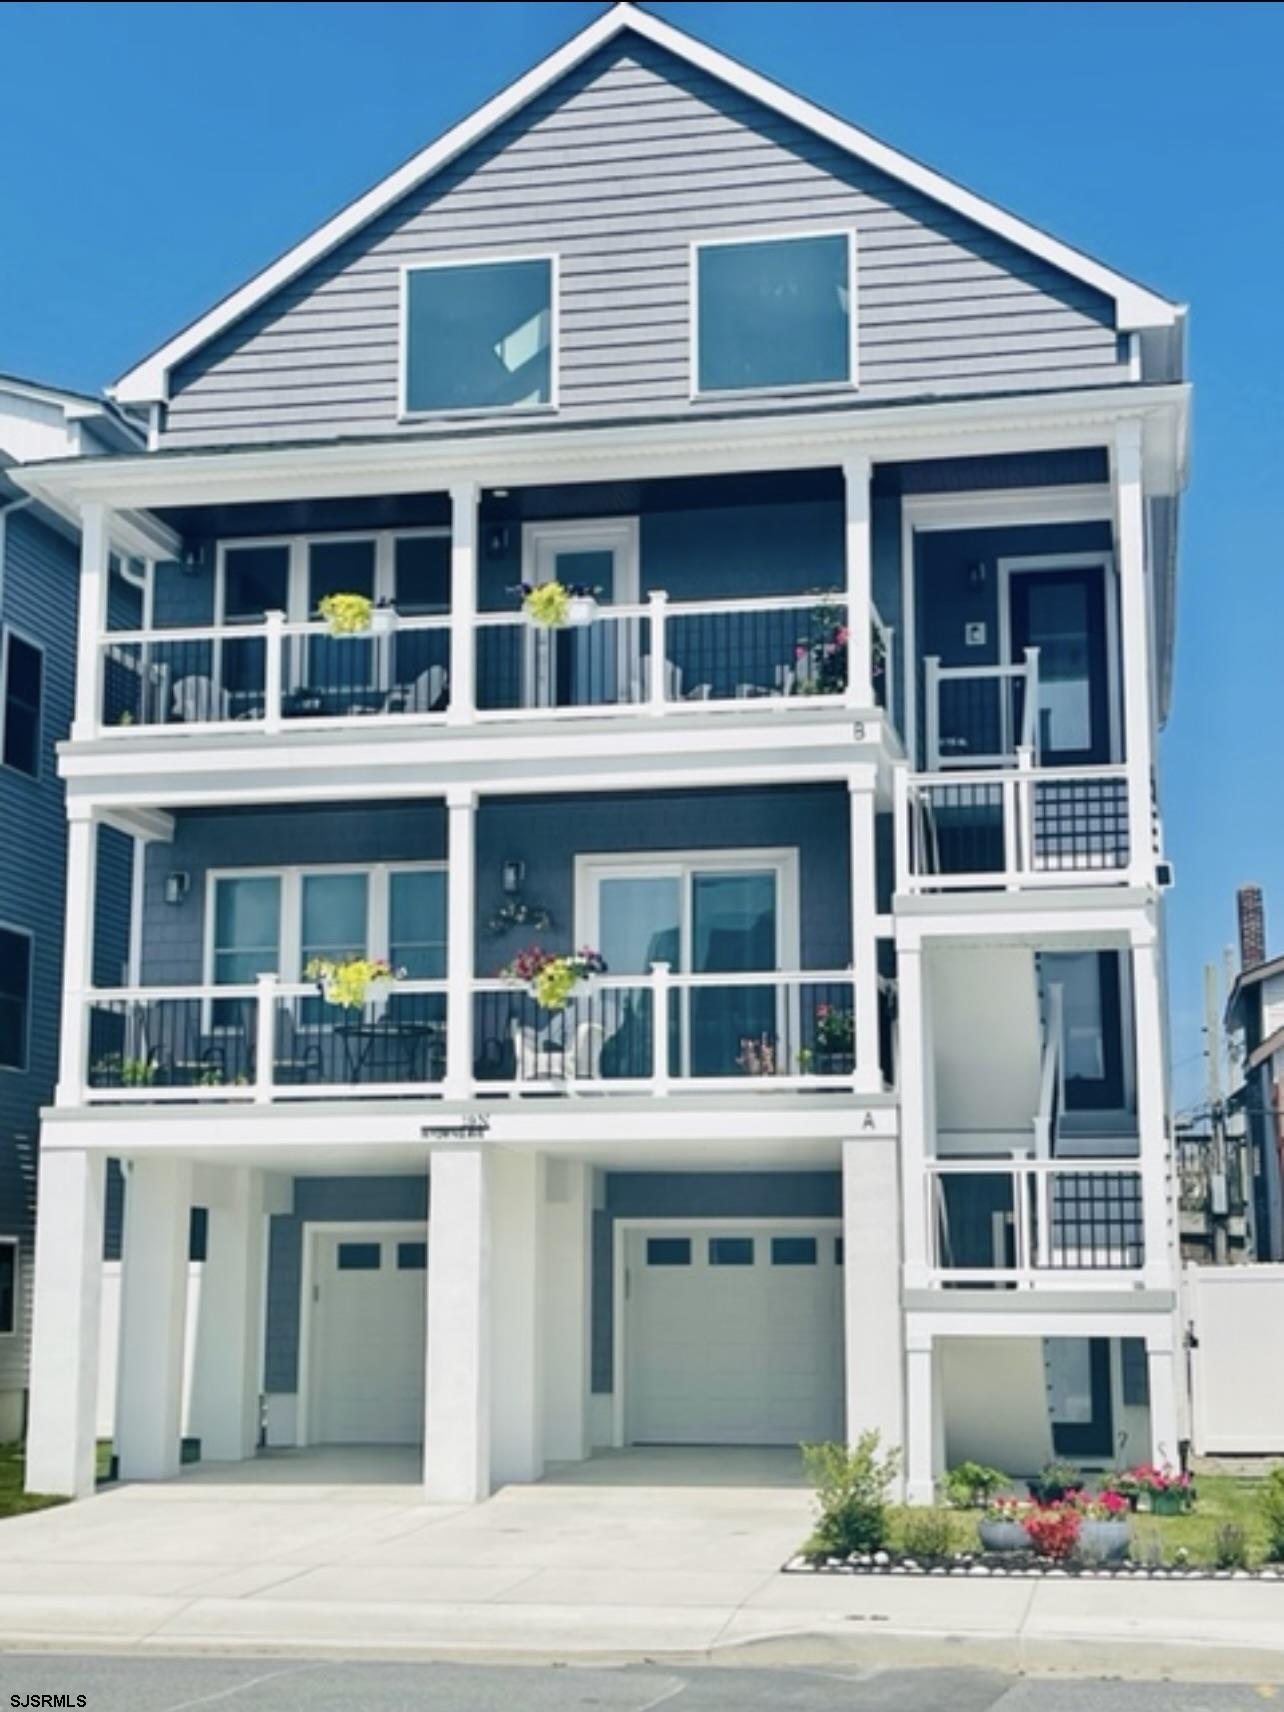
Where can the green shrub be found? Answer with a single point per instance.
(971, 1484)
(927, 1533)
(1230, 1547)
(1273, 1514)
(853, 1487)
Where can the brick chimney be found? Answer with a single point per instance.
(1252, 926)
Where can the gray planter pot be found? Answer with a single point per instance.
(1103, 1542)
(1003, 1536)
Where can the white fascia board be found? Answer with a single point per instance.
(944, 428)
(1135, 306)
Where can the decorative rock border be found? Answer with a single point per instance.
(1018, 1566)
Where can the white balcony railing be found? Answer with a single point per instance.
(981, 716)
(1009, 829)
(1013, 1223)
(274, 676)
(653, 1034)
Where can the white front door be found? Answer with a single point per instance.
(369, 1312)
(733, 1335)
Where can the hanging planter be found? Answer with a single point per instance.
(352, 982)
(347, 614)
(551, 979)
(558, 606)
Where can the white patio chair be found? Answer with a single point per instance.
(421, 694)
(198, 700)
(541, 1058)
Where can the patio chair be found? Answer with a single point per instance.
(423, 694)
(198, 700)
(540, 1057)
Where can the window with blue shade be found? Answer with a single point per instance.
(479, 336)
(793, 1251)
(358, 1257)
(775, 312)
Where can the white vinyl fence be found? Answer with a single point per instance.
(1237, 1376)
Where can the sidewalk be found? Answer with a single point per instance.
(655, 1557)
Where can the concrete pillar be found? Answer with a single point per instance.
(875, 1338)
(65, 1327)
(153, 1315)
(228, 1358)
(457, 1404)
(517, 1317)
(1161, 1370)
(567, 1280)
(923, 1436)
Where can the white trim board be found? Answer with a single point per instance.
(1135, 305)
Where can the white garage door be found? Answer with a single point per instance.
(733, 1336)
(368, 1337)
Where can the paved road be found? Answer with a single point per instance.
(264, 1685)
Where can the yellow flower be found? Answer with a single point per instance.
(346, 614)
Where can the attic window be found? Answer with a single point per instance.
(478, 336)
(775, 312)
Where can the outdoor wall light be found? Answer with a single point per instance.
(511, 876)
(977, 574)
(177, 886)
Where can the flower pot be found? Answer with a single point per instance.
(1050, 1492)
(1103, 1542)
(1167, 1503)
(833, 1063)
(582, 610)
(1003, 1536)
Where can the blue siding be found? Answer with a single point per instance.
(321, 1198)
(38, 593)
(113, 900)
(693, 1195)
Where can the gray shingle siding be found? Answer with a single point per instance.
(38, 598)
(618, 168)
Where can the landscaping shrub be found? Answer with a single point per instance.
(1055, 1481)
(1054, 1530)
(1273, 1514)
(853, 1486)
(927, 1533)
(1230, 1547)
(971, 1484)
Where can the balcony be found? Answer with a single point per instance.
(660, 1035)
(273, 676)
(1013, 1225)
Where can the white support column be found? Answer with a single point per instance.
(1134, 614)
(78, 955)
(228, 1357)
(461, 909)
(463, 603)
(566, 1243)
(95, 561)
(61, 1427)
(153, 1315)
(517, 1317)
(875, 1335)
(457, 1412)
(1161, 1371)
(864, 884)
(857, 472)
(1152, 1118)
(916, 1077)
(922, 1409)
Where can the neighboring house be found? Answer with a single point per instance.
(1255, 1023)
(849, 777)
(39, 578)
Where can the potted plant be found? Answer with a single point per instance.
(1054, 1530)
(1103, 1527)
(1164, 1492)
(518, 912)
(969, 1484)
(1056, 1481)
(555, 606)
(820, 657)
(833, 1050)
(1001, 1527)
(347, 614)
(350, 982)
(550, 977)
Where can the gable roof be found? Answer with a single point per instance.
(1135, 305)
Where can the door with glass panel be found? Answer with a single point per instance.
(245, 942)
(256, 581)
(599, 663)
(701, 917)
(340, 675)
(1062, 613)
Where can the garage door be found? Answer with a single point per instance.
(733, 1336)
(368, 1337)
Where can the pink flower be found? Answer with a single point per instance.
(840, 636)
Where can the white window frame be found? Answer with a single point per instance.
(14, 1243)
(7, 633)
(546, 407)
(541, 542)
(758, 236)
(297, 603)
(290, 929)
(23, 1069)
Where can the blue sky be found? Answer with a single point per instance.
(156, 155)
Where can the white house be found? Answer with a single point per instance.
(848, 775)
